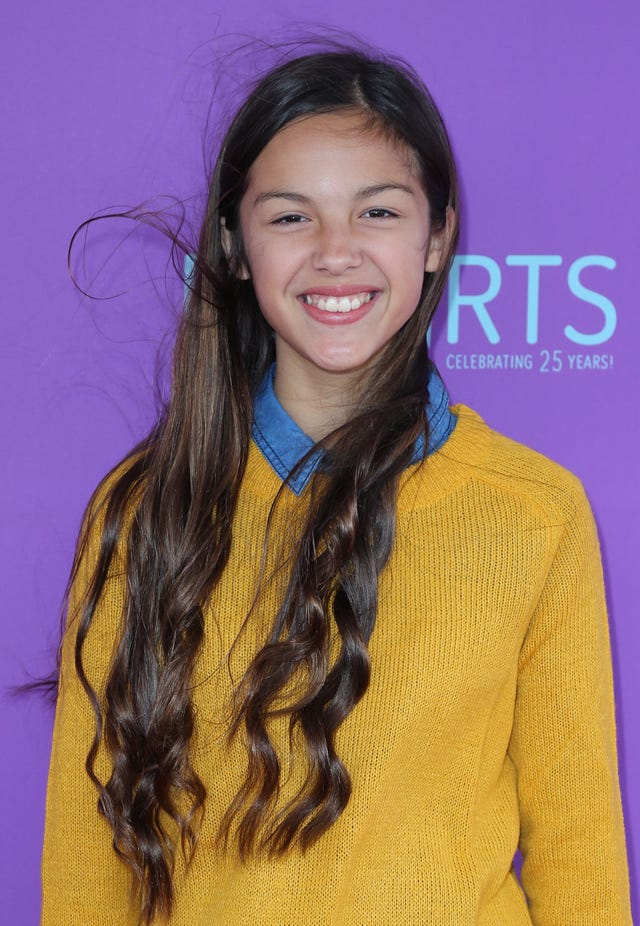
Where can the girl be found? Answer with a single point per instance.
(334, 649)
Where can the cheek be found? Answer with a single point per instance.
(265, 281)
(268, 280)
(266, 259)
(411, 285)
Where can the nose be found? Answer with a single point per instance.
(336, 249)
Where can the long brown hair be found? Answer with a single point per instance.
(174, 499)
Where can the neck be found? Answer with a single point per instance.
(319, 401)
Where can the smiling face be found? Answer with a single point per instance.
(336, 233)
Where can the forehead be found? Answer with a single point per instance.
(337, 145)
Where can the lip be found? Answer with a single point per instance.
(338, 291)
(333, 319)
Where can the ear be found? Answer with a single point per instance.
(439, 243)
(241, 270)
(434, 254)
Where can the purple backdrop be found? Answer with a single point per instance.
(105, 104)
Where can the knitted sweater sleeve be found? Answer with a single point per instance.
(563, 742)
(84, 883)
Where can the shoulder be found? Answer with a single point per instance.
(101, 544)
(485, 466)
(518, 470)
(118, 489)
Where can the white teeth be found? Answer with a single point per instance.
(338, 304)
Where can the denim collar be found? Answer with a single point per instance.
(283, 443)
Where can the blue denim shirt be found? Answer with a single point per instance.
(283, 443)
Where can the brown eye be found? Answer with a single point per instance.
(291, 219)
(380, 213)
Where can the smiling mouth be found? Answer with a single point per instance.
(338, 303)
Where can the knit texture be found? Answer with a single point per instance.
(488, 723)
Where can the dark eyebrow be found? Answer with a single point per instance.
(367, 191)
(362, 193)
(280, 194)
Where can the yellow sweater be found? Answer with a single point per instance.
(488, 723)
